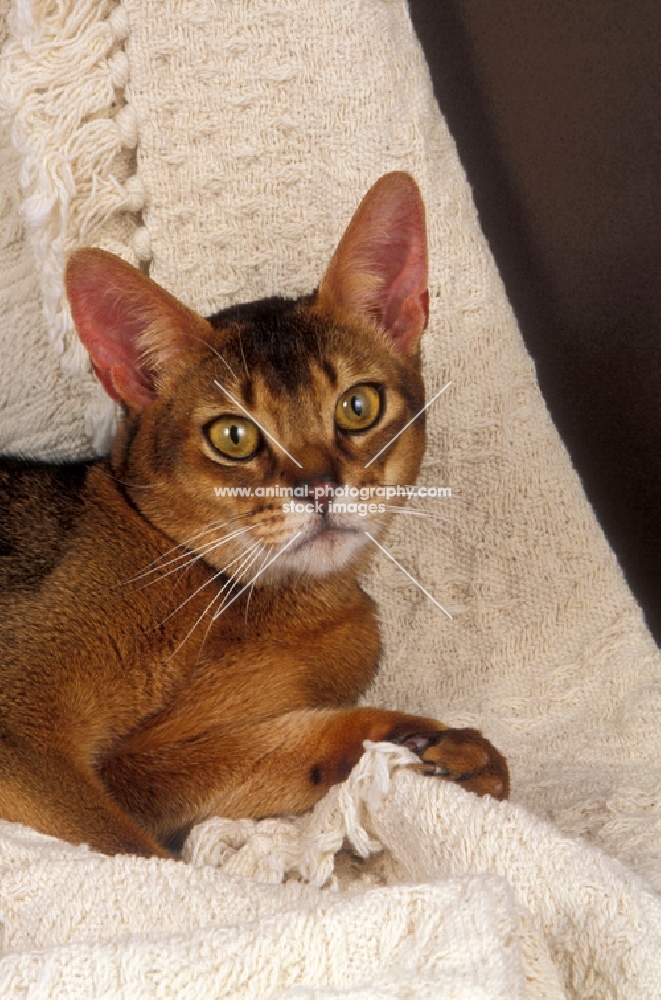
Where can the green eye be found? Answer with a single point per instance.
(358, 408)
(234, 437)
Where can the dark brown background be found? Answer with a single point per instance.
(555, 106)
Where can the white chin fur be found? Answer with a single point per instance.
(325, 553)
(318, 553)
(313, 552)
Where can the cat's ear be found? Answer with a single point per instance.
(379, 270)
(133, 329)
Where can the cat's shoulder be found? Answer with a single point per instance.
(40, 503)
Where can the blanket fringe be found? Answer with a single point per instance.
(64, 74)
(272, 850)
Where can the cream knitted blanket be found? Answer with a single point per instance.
(225, 146)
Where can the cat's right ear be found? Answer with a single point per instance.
(133, 329)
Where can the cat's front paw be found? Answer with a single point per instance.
(463, 756)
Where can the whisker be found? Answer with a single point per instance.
(214, 351)
(257, 545)
(251, 556)
(156, 564)
(413, 512)
(394, 509)
(251, 416)
(319, 350)
(205, 612)
(381, 522)
(406, 573)
(243, 357)
(190, 632)
(196, 555)
(135, 486)
(267, 552)
(259, 573)
(412, 420)
(199, 554)
(220, 572)
(190, 557)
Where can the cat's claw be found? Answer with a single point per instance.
(463, 756)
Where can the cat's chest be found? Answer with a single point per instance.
(304, 645)
(263, 657)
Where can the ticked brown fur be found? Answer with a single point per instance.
(147, 679)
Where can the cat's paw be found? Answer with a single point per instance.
(463, 756)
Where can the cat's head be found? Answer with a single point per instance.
(273, 400)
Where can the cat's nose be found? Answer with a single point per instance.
(320, 489)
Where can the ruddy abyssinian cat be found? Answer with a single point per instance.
(147, 679)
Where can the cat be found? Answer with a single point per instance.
(170, 653)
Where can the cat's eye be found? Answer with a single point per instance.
(358, 408)
(234, 437)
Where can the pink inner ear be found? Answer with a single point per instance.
(119, 314)
(379, 270)
(113, 348)
(402, 302)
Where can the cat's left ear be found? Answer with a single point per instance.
(379, 271)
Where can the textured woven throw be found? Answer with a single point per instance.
(224, 146)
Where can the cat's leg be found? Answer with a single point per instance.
(286, 764)
(303, 753)
(53, 795)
